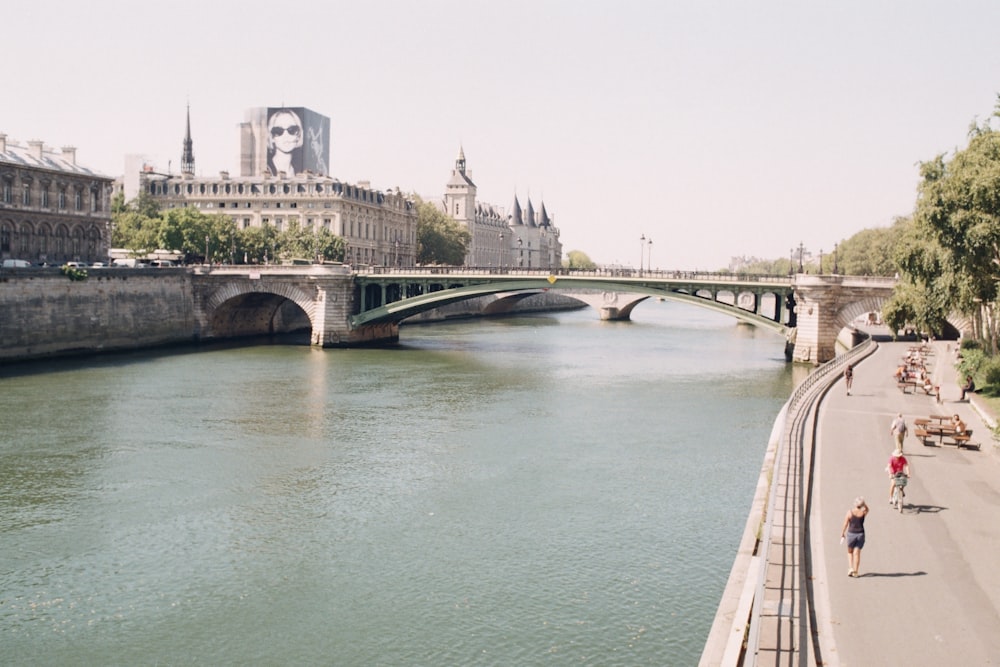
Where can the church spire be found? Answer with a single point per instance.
(460, 162)
(187, 157)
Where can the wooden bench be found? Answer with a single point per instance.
(903, 384)
(962, 440)
(923, 436)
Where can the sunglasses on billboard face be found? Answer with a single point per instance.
(292, 130)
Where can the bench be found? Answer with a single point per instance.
(903, 384)
(962, 440)
(923, 436)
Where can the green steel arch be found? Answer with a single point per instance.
(393, 297)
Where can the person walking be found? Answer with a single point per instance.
(853, 533)
(849, 377)
(898, 430)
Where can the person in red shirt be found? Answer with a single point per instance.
(897, 464)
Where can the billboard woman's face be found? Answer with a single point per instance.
(286, 132)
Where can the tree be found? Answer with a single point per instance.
(440, 239)
(870, 252)
(958, 208)
(298, 241)
(577, 259)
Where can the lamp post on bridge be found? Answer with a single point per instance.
(642, 252)
(791, 262)
(801, 250)
(206, 250)
(649, 255)
(835, 245)
(501, 250)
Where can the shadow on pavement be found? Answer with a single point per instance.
(922, 509)
(919, 573)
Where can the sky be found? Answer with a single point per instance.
(712, 128)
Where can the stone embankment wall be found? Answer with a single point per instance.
(45, 314)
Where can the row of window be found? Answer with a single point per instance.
(31, 243)
(157, 188)
(44, 197)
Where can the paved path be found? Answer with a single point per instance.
(929, 590)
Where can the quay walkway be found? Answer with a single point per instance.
(929, 587)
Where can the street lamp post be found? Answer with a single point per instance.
(501, 250)
(206, 250)
(642, 251)
(801, 250)
(820, 261)
(649, 255)
(835, 245)
(520, 254)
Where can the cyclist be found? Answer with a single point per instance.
(897, 464)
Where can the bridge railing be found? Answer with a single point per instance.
(596, 273)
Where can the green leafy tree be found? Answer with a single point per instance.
(577, 259)
(958, 209)
(259, 243)
(440, 239)
(870, 252)
(300, 242)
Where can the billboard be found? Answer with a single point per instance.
(297, 141)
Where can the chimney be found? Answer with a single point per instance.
(35, 148)
(69, 154)
(3, 142)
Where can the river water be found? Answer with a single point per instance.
(537, 490)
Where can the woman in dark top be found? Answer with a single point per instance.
(853, 532)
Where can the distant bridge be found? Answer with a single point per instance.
(347, 307)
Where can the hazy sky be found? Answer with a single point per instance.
(714, 128)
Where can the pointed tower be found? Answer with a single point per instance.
(515, 215)
(545, 217)
(460, 193)
(529, 217)
(187, 157)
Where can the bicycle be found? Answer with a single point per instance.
(899, 481)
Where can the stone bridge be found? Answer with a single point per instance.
(344, 308)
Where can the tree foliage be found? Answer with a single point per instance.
(440, 239)
(577, 259)
(141, 227)
(957, 219)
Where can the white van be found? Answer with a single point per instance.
(161, 263)
(128, 263)
(16, 264)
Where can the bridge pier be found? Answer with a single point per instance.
(824, 305)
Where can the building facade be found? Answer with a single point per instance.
(379, 228)
(52, 210)
(520, 239)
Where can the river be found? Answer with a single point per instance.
(533, 490)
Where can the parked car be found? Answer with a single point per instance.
(77, 265)
(161, 263)
(98, 265)
(16, 264)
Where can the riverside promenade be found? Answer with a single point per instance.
(929, 586)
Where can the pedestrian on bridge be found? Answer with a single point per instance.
(849, 377)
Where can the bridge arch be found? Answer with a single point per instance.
(250, 308)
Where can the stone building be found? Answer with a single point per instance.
(379, 227)
(52, 209)
(520, 239)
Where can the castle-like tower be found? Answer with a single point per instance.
(519, 240)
